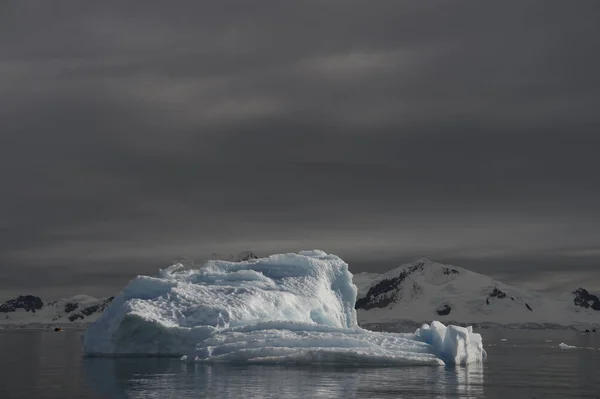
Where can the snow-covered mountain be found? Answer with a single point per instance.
(32, 311)
(423, 290)
(409, 295)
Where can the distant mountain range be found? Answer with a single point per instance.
(29, 311)
(423, 290)
(411, 294)
(32, 311)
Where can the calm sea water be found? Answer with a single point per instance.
(521, 364)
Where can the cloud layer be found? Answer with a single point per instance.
(135, 133)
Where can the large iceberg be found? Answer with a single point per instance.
(284, 308)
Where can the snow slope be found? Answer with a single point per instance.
(32, 312)
(409, 295)
(284, 308)
(364, 280)
(425, 290)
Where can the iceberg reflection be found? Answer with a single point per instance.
(164, 377)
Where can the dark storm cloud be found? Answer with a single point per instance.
(135, 133)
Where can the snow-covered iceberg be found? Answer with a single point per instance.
(283, 308)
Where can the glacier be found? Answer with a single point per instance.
(285, 308)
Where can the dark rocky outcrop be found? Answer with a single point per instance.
(29, 303)
(69, 307)
(97, 308)
(496, 293)
(91, 309)
(528, 307)
(448, 271)
(387, 291)
(87, 311)
(75, 316)
(582, 298)
(444, 311)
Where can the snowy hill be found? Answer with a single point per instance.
(424, 290)
(31, 311)
(407, 296)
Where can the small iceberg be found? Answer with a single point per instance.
(286, 308)
(562, 345)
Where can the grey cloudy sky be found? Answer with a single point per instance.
(135, 132)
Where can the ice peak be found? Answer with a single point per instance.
(423, 260)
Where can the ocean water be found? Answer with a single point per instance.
(521, 364)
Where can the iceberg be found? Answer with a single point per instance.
(562, 345)
(285, 308)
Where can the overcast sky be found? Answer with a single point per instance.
(132, 133)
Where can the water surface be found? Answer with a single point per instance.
(521, 364)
